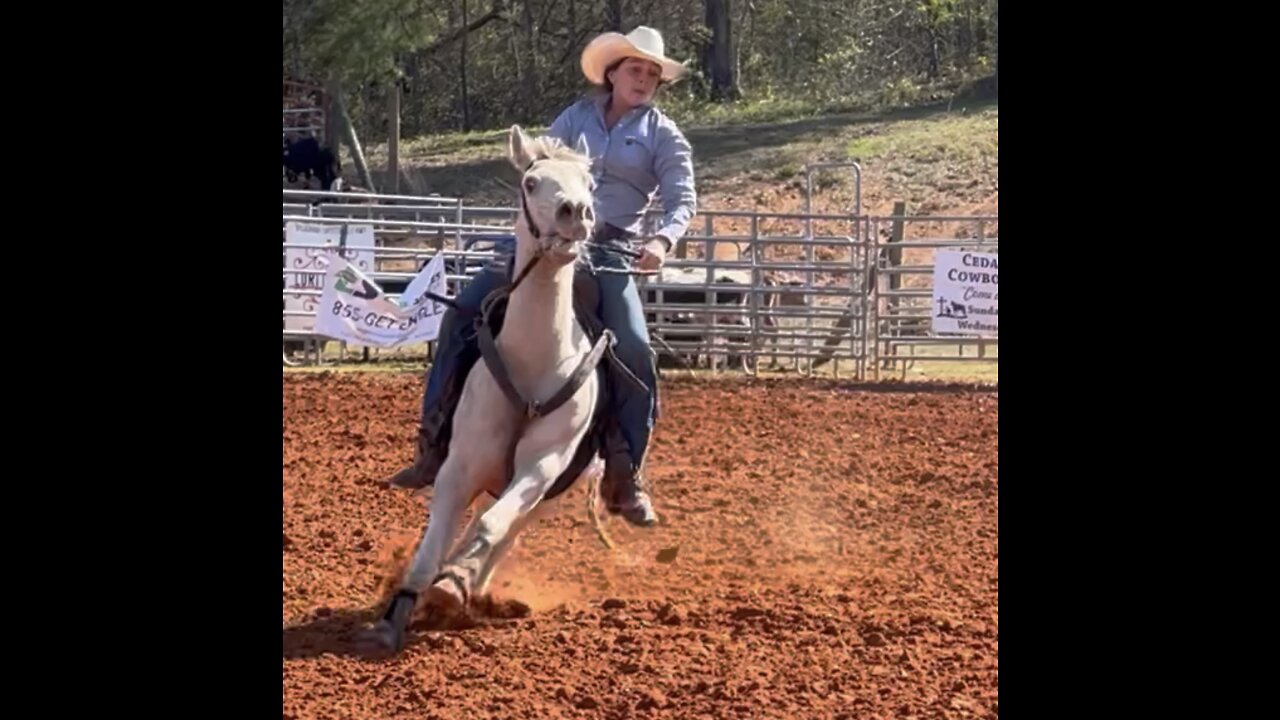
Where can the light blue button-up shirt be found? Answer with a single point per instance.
(643, 153)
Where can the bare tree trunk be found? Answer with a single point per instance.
(517, 64)
(933, 55)
(332, 117)
(413, 100)
(718, 56)
(747, 36)
(462, 71)
(393, 134)
(573, 19)
(995, 42)
(613, 15)
(531, 64)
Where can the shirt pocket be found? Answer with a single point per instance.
(632, 157)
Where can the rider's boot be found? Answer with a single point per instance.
(623, 486)
(428, 457)
(422, 472)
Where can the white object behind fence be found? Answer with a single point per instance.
(312, 261)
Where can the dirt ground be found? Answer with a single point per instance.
(826, 551)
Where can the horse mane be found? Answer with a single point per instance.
(550, 148)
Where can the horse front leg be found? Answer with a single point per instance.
(447, 507)
(482, 503)
(500, 551)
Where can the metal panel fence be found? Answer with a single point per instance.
(902, 299)
(742, 290)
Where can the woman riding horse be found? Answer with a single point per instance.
(635, 149)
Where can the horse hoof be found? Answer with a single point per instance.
(381, 639)
(445, 599)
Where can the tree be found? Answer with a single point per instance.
(718, 59)
(613, 15)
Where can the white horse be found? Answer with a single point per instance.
(526, 410)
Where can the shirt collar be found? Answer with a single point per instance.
(602, 100)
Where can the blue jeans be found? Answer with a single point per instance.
(620, 310)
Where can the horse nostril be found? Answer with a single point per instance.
(564, 212)
(588, 214)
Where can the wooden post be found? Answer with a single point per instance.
(895, 253)
(895, 280)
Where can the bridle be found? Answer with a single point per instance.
(533, 228)
(524, 203)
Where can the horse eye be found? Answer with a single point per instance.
(530, 183)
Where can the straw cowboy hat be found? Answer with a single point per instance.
(643, 42)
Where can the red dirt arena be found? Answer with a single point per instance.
(826, 551)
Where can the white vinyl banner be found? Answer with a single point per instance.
(966, 293)
(354, 309)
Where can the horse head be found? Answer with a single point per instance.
(555, 194)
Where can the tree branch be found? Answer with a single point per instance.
(495, 13)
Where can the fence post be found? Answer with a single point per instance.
(893, 258)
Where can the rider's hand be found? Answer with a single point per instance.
(653, 254)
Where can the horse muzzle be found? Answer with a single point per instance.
(568, 245)
(564, 248)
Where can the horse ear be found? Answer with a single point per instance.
(517, 148)
(582, 148)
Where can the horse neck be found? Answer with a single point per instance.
(537, 331)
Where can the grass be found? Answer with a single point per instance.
(766, 110)
(962, 139)
(919, 367)
(757, 150)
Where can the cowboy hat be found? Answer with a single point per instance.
(643, 42)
